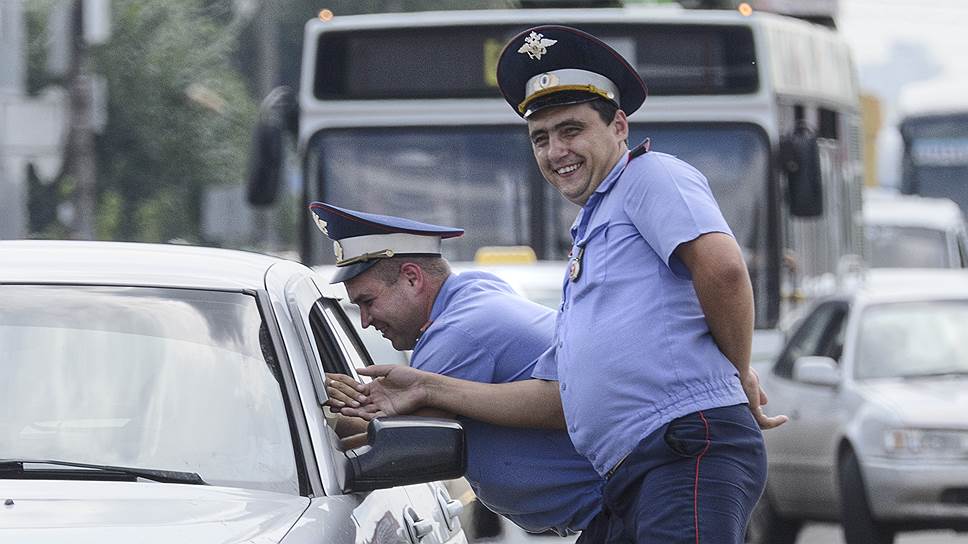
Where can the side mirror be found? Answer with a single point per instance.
(816, 371)
(406, 450)
(800, 159)
(278, 116)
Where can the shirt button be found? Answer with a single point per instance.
(573, 429)
(564, 387)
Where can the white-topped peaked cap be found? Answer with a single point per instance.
(361, 239)
(555, 65)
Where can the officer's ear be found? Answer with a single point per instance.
(620, 124)
(412, 274)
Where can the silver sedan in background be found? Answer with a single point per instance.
(876, 385)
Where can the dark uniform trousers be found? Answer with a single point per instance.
(694, 480)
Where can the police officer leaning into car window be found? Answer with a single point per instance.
(471, 326)
(652, 343)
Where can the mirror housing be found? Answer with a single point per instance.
(405, 450)
(278, 118)
(816, 371)
(800, 160)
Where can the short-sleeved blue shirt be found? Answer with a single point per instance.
(482, 331)
(632, 347)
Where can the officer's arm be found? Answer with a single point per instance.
(403, 390)
(722, 284)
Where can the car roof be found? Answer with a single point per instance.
(910, 211)
(126, 263)
(904, 284)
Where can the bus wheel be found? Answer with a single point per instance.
(860, 527)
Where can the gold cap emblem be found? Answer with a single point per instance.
(338, 250)
(536, 45)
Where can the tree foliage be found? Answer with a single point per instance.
(178, 115)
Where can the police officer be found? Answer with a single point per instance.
(652, 344)
(393, 270)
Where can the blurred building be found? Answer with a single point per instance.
(32, 129)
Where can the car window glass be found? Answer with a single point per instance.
(350, 346)
(806, 340)
(832, 340)
(911, 339)
(327, 344)
(167, 379)
(962, 251)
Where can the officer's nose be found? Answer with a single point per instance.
(556, 148)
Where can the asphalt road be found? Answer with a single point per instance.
(817, 533)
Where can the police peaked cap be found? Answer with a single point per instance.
(555, 65)
(361, 239)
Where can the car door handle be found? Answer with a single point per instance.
(451, 507)
(416, 527)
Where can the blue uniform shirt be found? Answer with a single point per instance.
(632, 348)
(482, 331)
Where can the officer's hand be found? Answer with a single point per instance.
(396, 390)
(343, 391)
(757, 399)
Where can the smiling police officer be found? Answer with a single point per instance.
(652, 344)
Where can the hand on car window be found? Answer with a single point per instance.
(343, 391)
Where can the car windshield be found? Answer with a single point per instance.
(168, 379)
(893, 246)
(912, 339)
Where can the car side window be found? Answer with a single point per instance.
(962, 251)
(350, 344)
(812, 338)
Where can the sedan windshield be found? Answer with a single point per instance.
(894, 246)
(912, 339)
(162, 379)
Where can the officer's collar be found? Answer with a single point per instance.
(443, 296)
(612, 176)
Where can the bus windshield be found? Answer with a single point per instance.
(936, 157)
(484, 179)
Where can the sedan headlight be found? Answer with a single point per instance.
(926, 443)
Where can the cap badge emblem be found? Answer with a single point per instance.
(338, 249)
(536, 45)
(321, 224)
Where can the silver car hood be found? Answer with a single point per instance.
(85, 512)
(923, 402)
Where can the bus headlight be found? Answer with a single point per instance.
(926, 443)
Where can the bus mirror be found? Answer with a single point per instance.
(800, 159)
(277, 119)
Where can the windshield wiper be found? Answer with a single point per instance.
(15, 467)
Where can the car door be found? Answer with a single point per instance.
(801, 453)
(376, 516)
(433, 518)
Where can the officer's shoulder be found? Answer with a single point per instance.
(657, 163)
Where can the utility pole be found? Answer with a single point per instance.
(81, 151)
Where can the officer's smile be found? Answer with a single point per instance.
(565, 170)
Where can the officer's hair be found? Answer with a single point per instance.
(388, 270)
(606, 109)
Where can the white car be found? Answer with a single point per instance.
(160, 394)
(904, 231)
(876, 386)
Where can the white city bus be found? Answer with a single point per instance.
(400, 114)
